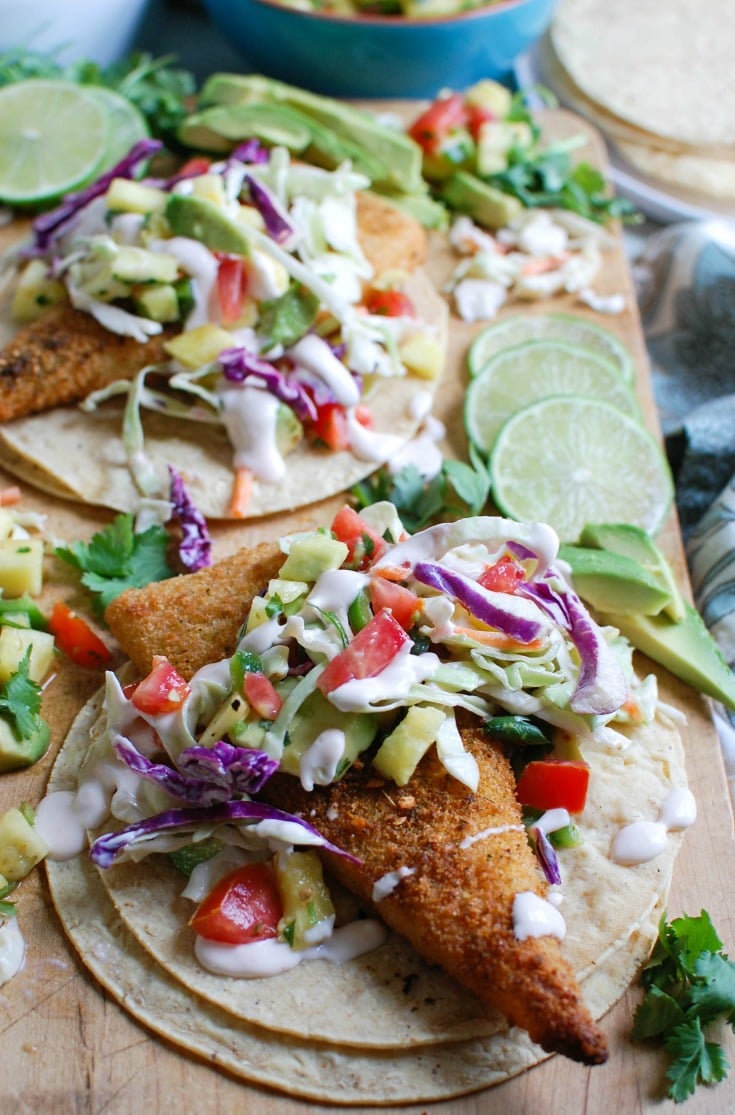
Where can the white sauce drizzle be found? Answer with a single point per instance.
(642, 841)
(64, 816)
(387, 883)
(485, 833)
(12, 950)
(394, 682)
(370, 445)
(318, 765)
(249, 415)
(314, 354)
(535, 917)
(269, 958)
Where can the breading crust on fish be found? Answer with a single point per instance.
(62, 357)
(457, 907)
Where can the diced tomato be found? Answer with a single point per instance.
(403, 604)
(364, 416)
(504, 576)
(477, 115)
(330, 426)
(198, 164)
(390, 303)
(76, 638)
(260, 693)
(364, 545)
(231, 288)
(371, 650)
(442, 117)
(554, 784)
(163, 690)
(242, 907)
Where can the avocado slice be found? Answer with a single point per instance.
(686, 649)
(487, 205)
(315, 716)
(613, 582)
(200, 219)
(634, 542)
(16, 753)
(217, 128)
(397, 158)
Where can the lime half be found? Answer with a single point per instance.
(515, 377)
(571, 461)
(571, 329)
(126, 125)
(53, 137)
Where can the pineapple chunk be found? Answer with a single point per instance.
(24, 751)
(159, 302)
(35, 291)
(401, 751)
(490, 95)
(15, 641)
(209, 186)
(127, 196)
(306, 900)
(138, 265)
(230, 713)
(423, 355)
(495, 139)
(199, 346)
(21, 847)
(21, 566)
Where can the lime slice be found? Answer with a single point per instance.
(571, 461)
(53, 137)
(126, 125)
(517, 376)
(517, 328)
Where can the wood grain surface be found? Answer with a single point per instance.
(68, 1049)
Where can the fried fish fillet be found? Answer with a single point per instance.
(62, 357)
(65, 354)
(456, 908)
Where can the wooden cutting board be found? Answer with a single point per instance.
(68, 1048)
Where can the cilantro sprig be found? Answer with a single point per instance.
(690, 985)
(20, 700)
(117, 558)
(457, 489)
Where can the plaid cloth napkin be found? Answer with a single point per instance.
(685, 282)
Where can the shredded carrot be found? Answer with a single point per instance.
(497, 639)
(397, 573)
(10, 495)
(242, 489)
(548, 263)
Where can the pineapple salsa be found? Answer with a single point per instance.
(366, 638)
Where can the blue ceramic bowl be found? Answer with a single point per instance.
(380, 56)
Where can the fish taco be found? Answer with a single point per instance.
(260, 325)
(401, 809)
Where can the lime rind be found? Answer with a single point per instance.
(524, 373)
(570, 461)
(53, 137)
(570, 328)
(126, 125)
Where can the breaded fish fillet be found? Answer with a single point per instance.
(456, 907)
(192, 619)
(65, 354)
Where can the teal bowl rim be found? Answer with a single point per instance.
(372, 20)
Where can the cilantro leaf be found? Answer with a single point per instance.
(20, 699)
(696, 1060)
(419, 501)
(117, 558)
(690, 983)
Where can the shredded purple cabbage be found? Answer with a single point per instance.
(238, 364)
(206, 775)
(106, 848)
(601, 686)
(195, 548)
(546, 854)
(480, 602)
(277, 222)
(251, 151)
(49, 226)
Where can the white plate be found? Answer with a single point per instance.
(652, 198)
